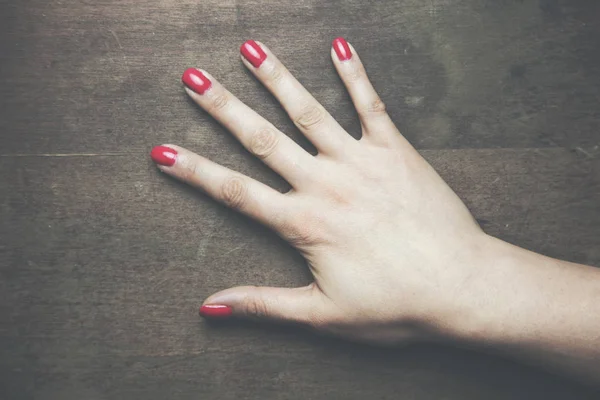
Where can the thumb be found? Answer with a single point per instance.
(302, 305)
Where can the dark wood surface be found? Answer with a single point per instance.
(104, 261)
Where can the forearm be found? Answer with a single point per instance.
(537, 309)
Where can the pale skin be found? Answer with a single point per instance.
(395, 255)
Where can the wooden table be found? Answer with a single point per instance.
(104, 261)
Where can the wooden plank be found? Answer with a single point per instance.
(104, 261)
(104, 76)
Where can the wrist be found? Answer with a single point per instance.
(514, 294)
(488, 291)
(465, 310)
(531, 307)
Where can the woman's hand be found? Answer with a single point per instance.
(395, 254)
(391, 247)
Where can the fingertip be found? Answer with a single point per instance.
(253, 53)
(164, 155)
(196, 80)
(189, 91)
(215, 311)
(188, 71)
(342, 49)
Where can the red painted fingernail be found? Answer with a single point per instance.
(342, 49)
(253, 53)
(215, 311)
(163, 155)
(195, 80)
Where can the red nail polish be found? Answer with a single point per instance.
(342, 49)
(195, 80)
(253, 53)
(215, 311)
(163, 155)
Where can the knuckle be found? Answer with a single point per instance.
(220, 101)
(189, 168)
(302, 230)
(375, 107)
(234, 192)
(263, 142)
(311, 118)
(256, 308)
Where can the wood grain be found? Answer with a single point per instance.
(103, 260)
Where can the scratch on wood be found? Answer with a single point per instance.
(125, 63)
(232, 250)
(116, 38)
(590, 154)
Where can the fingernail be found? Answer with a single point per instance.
(342, 49)
(215, 311)
(253, 53)
(163, 155)
(195, 80)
